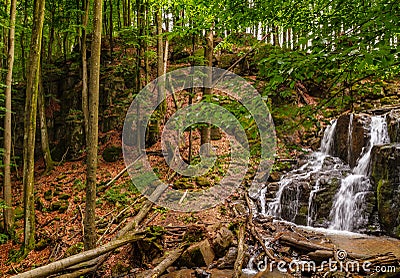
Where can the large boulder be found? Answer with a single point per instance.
(385, 175)
(393, 124)
(351, 136)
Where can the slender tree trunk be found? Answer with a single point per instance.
(208, 54)
(92, 136)
(160, 54)
(30, 125)
(22, 40)
(85, 106)
(43, 127)
(146, 25)
(8, 211)
(111, 30)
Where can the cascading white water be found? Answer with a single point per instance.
(347, 209)
(327, 141)
(313, 165)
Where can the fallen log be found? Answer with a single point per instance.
(132, 225)
(56, 267)
(301, 244)
(169, 259)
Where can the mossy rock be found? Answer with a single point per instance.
(64, 196)
(60, 206)
(202, 182)
(48, 195)
(55, 206)
(119, 269)
(74, 249)
(18, 213)
(42, 244)
(112, 154)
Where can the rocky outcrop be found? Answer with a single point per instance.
(393, 124)
(385, 174)
(308, 192)
(350, 137)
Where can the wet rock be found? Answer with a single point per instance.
(351, 136)
(393, 124)
(321, 179)
(228, 260)
(385, 174)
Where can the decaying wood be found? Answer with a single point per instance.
(60, 265)
(237, 269)
(302, 244)
(169, 259)
(89, 261)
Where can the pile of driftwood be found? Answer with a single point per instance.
(286, 243)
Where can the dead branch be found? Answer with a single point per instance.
(168, 260)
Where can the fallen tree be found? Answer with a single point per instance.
(56, 267)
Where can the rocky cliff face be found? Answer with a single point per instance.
(385, 174)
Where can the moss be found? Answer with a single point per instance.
(74, 249)
(112, 154)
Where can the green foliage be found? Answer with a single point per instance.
(3, 238)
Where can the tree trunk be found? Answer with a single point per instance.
(84, 67)
(32, 88)
(208, 54)
(153, 130)
(8, 211)
(43, 127)
(92, 136)
(111, 30)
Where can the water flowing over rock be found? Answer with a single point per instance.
(352, 183)
(350, 208)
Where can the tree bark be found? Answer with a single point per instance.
(92, 136)
(43, 128)
(32, 88)
(84, 67)
(8, 211)
(208, 55)
(111, 31)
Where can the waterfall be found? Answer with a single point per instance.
(348, 204)
(349, 210)
(327, 143)
(313, 165)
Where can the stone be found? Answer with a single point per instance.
(228, 260)
(222, 241)
(112, 154)
(385, 175)
(199, 254)
(350, 151)
(48, 195)
(393, 124)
